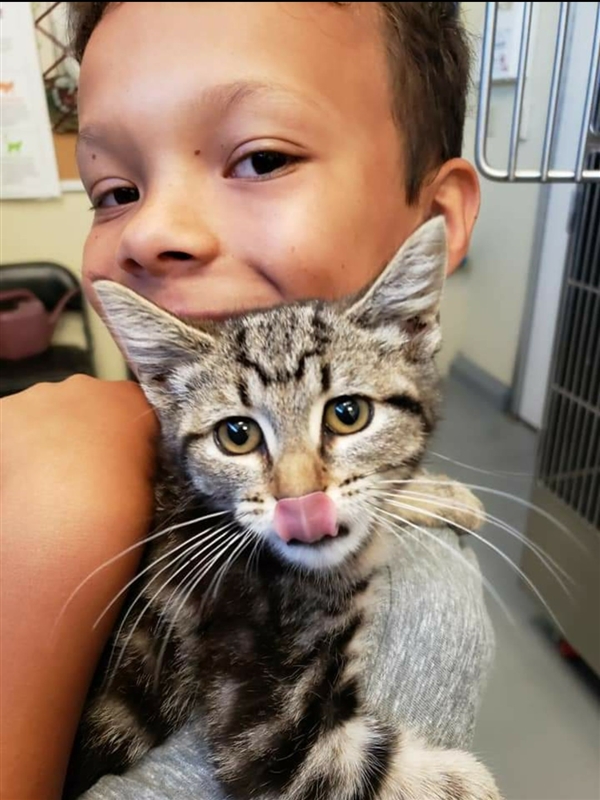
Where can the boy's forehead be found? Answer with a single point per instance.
(330, 52)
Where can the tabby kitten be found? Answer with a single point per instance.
(277, 429)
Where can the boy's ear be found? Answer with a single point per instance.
(408, 292)
(153, 341)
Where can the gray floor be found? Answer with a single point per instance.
(539, 727)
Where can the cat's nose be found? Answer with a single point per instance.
(306, 519)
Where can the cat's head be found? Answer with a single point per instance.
(292, 418)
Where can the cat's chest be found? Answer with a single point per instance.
(264, 648)
(267, 614)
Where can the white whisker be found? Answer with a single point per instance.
(213, 587)
(122, 553)
(499, 493)
(493, 547)
(195, 580)
(186, 545)
(253, 553)
(455, 553)
(551, 565)
(199, 548)
(500, 473)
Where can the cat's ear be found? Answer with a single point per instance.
(153, 341)
(408, 292)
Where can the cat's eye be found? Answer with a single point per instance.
(346, 415)
(238, 435)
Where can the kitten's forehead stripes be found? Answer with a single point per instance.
(406, 403)
(265, 371)
(325, 378)
(242, 388)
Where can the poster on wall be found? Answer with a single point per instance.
(508, 41)
(28, 162)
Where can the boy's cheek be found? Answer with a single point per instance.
(99, 262)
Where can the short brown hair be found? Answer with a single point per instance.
(429, 57)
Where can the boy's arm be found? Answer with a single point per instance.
(77, 461)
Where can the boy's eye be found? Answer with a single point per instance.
(263, 162)
(120, 196)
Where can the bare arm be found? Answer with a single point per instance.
(77, 462)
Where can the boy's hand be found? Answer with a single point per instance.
(77, 465)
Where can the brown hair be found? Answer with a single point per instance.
(429, 57)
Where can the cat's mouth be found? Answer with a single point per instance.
(342, 530)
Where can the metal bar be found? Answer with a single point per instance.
(593, 395)
(571, 398)
(587, 460)
(559, 57)
(565, 479)
(589, 99)
(554, 175)
(593, 457)
(559, 369)
(542, 468)
(564, 445)
(575, 454)
(578, 473)
(549, 435)
(558, 436)
(587, 287)
(594, 517)
(595, 261)
(589, 135)
(535, 175)
(574, 337)
(585, 324)
(515, 129)
(485, 87)
(594, 492)
(579, 235)
(592, 232)
(593, 346)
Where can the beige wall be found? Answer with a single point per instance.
(54, 230)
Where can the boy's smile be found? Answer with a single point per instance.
(240, 155)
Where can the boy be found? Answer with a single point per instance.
(237, 156)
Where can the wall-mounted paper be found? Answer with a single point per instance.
(27, 159)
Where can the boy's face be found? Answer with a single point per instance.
(240, 155)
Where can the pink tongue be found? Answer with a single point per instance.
(306, 519)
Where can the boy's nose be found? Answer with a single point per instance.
(163, 237)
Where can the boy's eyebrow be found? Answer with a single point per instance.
(228, 95)
(221, 97)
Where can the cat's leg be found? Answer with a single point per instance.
(434, 501)
(109, 740)
(352, 758)
(364, 759)
(133, 711)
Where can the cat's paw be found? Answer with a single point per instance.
(425, 774)
(434, 499)
(466, 778)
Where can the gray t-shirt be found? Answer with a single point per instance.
(431, 646)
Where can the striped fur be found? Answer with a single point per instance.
(272, 660)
